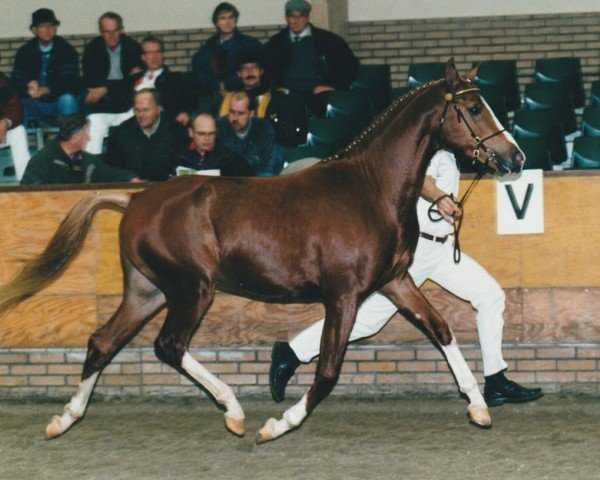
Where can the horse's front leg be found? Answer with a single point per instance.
(413, 305)
(340, 315)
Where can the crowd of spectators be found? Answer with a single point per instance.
(127, 117)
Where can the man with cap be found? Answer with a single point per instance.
(46, 70)
(307, 59)
(213, 66)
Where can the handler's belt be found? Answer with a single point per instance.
(432, 238)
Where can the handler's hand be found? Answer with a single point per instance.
(449, 209)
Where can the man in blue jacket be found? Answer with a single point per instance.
(249, 136)
(46, 70)
(214, 65)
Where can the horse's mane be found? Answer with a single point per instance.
(364, 140)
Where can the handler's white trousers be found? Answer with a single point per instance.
(16, 139)
(467, 280)
(99, 126)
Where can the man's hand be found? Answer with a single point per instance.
(35, 91)
(95, 94)
(449, 209)
(322, 88)
(135, 71)
(183, 118)
(3, 130)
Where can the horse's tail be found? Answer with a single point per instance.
(64, 245)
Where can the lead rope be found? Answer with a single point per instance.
(435, 216)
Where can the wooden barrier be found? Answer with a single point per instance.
(552, 279)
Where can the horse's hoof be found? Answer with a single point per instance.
(480, 415)
(265, 434)
(53, 429)
(235, 425)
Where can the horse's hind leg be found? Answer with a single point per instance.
(141, 301)
(186, 309)
(340, 316)
(412, 304)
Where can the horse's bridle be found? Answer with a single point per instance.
(451, 97)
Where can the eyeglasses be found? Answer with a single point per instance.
(205, 134)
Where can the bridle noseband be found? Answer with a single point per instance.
(452, 97)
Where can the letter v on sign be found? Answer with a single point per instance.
(520, 211)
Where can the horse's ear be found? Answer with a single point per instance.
(452, 76)
(473, 73)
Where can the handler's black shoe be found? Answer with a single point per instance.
(499, 390)
(284, 363)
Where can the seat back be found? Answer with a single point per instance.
(590, 122)
(565, 70)
(543, 124)
(586, 152)
(537, 153)
(419, 73)
(546, 96)
(353, 105)
(595, 94)
(504, 74)
(376, 81)
(334, 133)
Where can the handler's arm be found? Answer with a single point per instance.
(447, 207)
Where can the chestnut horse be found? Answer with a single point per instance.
(333, 233)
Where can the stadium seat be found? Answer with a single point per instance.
(376, 81)
(335, 133)
(542, 124)
(351, 104)
(565, 70)
(586, 152)
(293, 154)
(419, 73)
(595, 94)
(495, 97)
(537, 153)
(399, 91)
(504, 74)
(590, 122)
(545, 96)
(207, 104)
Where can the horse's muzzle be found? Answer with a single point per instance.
(511, 163)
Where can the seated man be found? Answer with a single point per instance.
(156, 75)
(250, 136)
(46, 70)
(308, 60)
(64, 161)
(213, 66)
(12, 133)
(148, 142)
(108, 61)
(286, 113)
(207, 153)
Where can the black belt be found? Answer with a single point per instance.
(432, 238)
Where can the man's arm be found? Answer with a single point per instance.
(448, 208)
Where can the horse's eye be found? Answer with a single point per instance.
(475, 111)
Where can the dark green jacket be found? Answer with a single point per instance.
(51, 165)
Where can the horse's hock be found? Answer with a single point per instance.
(551, 334)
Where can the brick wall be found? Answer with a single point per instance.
(369, 369)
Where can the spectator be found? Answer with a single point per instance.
(309, 60)
(249, 136)
(146, 143)
(12, 133)
(213, 66)
(64, 161)
(108, 61)
(155, 75)
(286, 113)
(46, 70)
(207, 153)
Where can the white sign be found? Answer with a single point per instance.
(520, 203)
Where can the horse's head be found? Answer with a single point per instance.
(469, 126)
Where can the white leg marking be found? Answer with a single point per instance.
(218, 389)
(292, 417)
(478, 411)
(74, 409)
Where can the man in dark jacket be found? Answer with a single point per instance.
(108, 61)
(251, 137)
(156, 75)
(148, 142)
(214, 65)
(46, 70)
(206, 153)
(64, 161)
(307, 59)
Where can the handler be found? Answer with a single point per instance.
(434, 260)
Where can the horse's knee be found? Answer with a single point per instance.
(168, 350)
(99, 353)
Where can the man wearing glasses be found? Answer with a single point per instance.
(108, 61)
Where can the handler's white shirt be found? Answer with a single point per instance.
(446, 175)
